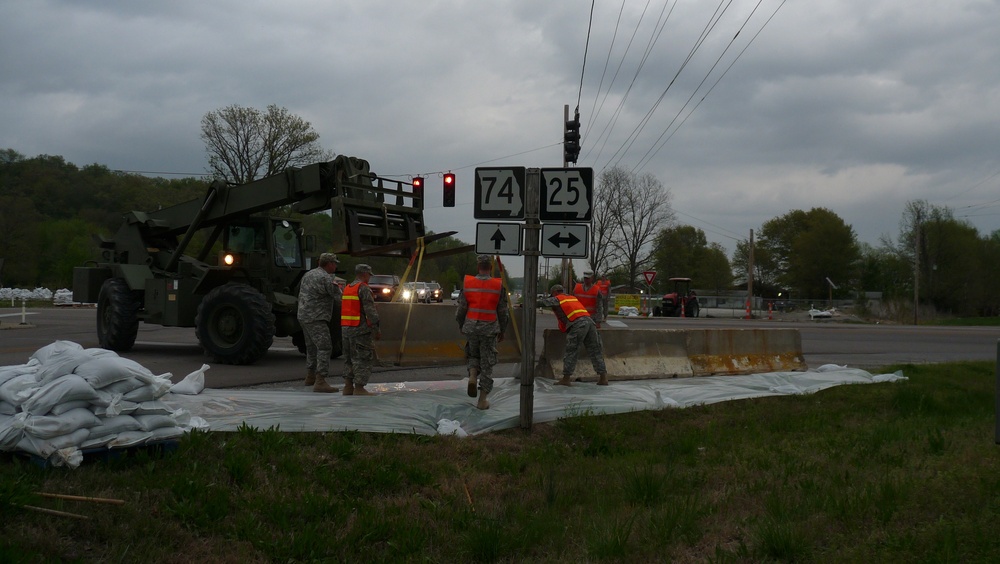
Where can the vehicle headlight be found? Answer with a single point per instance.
(406, 294)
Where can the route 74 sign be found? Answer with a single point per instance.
(565, 240)
(567, 194)
(499, 193)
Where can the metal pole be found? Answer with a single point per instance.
(532, 229)
(996, 393)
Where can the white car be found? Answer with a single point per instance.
(416, 292)
(455, 294)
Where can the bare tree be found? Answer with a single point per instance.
(245, 144)
(632, 210)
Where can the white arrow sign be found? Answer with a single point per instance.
(498, 238)
(565, 240)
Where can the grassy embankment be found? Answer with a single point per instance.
(903, 472)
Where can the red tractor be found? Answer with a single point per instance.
(682, 298)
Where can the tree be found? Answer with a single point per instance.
(684, 251)
(807, 248)
(637, 207)
(245, 144)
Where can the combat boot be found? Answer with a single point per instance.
(310, 376)
(482, 404)
(604, 379)
(473, 374)
(361, 391)
(348, 386)
(322, 386)
(564, 381)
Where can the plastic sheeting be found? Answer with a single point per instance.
(419, 407)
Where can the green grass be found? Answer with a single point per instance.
(903, 472)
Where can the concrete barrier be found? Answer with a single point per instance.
(679, 353)
(432, 336)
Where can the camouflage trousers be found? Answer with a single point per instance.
(319, 346)
(583, 331)
(359, 354)
(481, 352)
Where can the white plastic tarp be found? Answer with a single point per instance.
(421, 407)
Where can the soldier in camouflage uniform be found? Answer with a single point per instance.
(360, 330)
(579, 327)
(482, 317)
(318, 295)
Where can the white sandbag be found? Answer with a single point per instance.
(155, 407)
(9, 435)
(117, 406)
(152, 391)
(164, 433)
(70, 457)
(45, 447)
(97, 442)
(124, 386)
(129, 438)
(101, 372)
(7, 408)
(67, 388)
(192, 384)
(114, 425)
(151, 422)
(18, 389)
(8, 372)
(61, 365)
(47, 426)
(61, 408)
(46, 353)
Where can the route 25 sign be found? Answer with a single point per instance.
(567, 194)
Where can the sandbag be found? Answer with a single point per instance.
(47, 427)
(101, 372)
(67, 388)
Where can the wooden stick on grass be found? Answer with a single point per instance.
(54, 512)
(82, 498)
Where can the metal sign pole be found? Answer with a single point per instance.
(532, 227)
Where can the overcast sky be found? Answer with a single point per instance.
(853, 105)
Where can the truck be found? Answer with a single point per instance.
(678, 299)
(228, 265)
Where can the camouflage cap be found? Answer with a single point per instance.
(588, 274)
(362, 268)
(327, 258)
(557, 289)
(484, 258)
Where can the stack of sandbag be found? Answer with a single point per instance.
(67, 399)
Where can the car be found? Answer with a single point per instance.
(416, 292)
(436, 293)
(455, 294)
(383, 286)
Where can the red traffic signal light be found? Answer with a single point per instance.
(418, 187)
(449, 190)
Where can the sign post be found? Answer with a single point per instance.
(531, 231)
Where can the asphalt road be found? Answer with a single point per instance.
(175, 350)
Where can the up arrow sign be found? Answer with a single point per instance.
(497, 239)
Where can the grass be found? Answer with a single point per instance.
(904, 472)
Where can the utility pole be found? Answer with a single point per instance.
(916, 268)
(750, 277)
(566, 280)
(532, 229)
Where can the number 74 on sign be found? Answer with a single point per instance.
(500, 193)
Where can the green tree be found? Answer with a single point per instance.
(245, 144)
(683, 251)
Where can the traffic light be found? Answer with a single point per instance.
(571, 140)
(418, 187)
(449, 190)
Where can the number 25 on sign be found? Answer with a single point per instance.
(567, 194)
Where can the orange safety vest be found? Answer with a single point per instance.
(350, 306)
(572, 308)
(587, 297)
(483, 297)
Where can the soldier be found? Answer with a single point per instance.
(359, 325)
(579, 327)
(318, 295)
(482, 317)
(592, 297)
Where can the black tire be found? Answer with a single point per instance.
(234, 324)
(693, 309)
(117, 315)
(657, 312)
(336, 338)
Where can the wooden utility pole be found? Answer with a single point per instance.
(916, 268)
(750, 277)
(532, 228)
